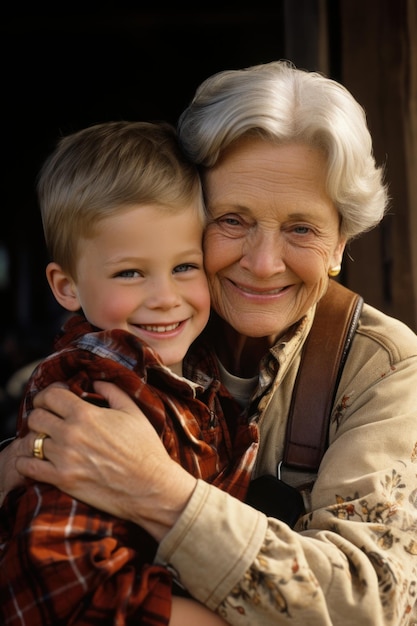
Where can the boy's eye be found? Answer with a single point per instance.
(184, 267)
(129, 274)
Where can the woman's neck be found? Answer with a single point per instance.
(239, 354)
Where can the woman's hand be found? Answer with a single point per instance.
(111, 458)
(9, 476)
(186, 611)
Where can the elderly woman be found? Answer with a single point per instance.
(289, 179)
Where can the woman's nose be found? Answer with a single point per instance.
(263, 254)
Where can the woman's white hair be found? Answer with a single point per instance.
(284, 104)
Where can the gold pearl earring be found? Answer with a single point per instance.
(335, 271)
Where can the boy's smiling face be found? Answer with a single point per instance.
(143, 272)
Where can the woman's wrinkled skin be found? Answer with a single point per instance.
(271, 240)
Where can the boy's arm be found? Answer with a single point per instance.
(63, 560)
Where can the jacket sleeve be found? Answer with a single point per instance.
(353, 559)
(64, 562)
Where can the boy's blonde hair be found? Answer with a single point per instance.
(102, 169)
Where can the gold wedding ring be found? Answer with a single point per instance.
(37, 449)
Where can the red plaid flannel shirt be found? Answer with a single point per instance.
(63, 562)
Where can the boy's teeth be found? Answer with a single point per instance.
(160, 329)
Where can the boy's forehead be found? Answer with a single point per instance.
(152, 217)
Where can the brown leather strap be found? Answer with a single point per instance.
(324, 355)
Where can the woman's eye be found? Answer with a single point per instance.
(302, 230)
(230, 225)
(229, 220)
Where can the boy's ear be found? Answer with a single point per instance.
(62, 287)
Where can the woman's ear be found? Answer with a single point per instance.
(63, 287)
(338, 253)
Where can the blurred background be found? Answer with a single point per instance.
(73, 64)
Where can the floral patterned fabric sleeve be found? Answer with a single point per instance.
(353, 558)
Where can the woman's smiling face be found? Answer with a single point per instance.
(272, 235)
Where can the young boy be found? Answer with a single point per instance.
(123, 218)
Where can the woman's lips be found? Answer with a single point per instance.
(260, 292)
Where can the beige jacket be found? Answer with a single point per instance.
(352, 559)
